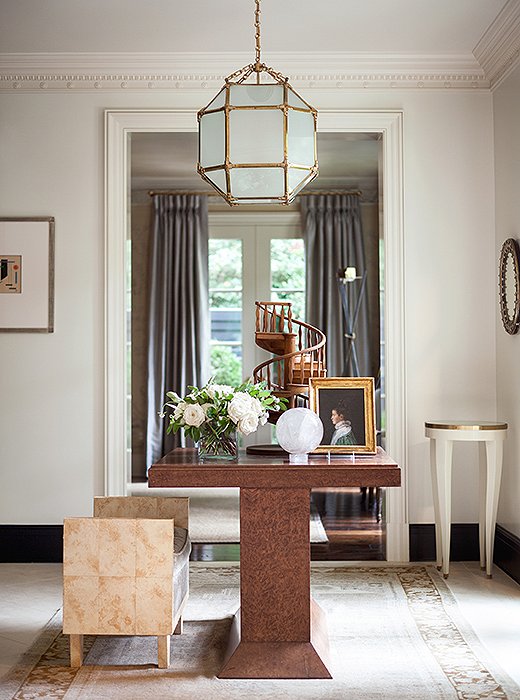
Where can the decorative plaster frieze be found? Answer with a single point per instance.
(85, 72)
(498, 51)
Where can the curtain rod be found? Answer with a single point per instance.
(152, 193)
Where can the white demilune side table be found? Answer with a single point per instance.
(442, 435)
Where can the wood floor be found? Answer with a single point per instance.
(350, 521)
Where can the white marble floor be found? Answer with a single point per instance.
(30, 594)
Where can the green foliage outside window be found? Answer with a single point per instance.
(287, 263)
(225, 272)
(226, 368)
(288, 273)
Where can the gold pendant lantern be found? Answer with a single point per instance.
(257, 140)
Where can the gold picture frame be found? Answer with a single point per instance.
(347, 410)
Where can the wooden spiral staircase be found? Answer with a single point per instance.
(298, 349)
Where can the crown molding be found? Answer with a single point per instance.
(498, 51)
(173, 71)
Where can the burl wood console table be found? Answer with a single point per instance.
(279, 631)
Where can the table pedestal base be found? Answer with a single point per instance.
(279, 659)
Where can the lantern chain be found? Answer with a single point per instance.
(257, 39)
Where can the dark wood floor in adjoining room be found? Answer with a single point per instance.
(349, 517)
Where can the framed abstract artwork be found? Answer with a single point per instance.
(346, 408)
(27, 275)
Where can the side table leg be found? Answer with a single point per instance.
(436, 505)
(494, 451)
(443, 458)
(482, 505)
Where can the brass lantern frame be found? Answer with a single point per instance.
(241, 77)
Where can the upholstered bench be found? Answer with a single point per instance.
(125, 571)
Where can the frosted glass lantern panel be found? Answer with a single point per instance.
(218, 177)
(218, 101)
(256, 136)
(211, 139)
(255, 201)
(255, 95)
(297, 179)
(257, 182)
(301, 138)
(295, 100)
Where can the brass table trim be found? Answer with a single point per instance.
(474, 426)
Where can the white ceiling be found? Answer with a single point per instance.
(432, 30)
(383, 26)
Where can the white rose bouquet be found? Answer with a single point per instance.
(213, 414)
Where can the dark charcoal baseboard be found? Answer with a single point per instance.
(507, 552)
(31, 543)
(464, 546)
(464, 542)
(44, 543)
(22, 544)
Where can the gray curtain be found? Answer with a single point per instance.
(178, 348)
(334, 239)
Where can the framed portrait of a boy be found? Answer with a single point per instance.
(346, 408)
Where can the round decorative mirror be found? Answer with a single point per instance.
(509, 284)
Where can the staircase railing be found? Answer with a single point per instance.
(294, 368)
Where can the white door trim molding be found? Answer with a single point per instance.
(118, 125)
(389, 123)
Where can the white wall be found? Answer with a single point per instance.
(450, 285)
(51, 163)
(507, 172)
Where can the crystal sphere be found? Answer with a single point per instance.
(299, 431)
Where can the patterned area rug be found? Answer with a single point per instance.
(395, 632)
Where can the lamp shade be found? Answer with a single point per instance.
(257, 143)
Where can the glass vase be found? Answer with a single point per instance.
(214, 446)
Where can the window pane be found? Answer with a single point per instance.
(225, 302)
(225, 264)
(219, 299)
(226, 322)
(288, 273)
(226, 364)
(287, 263)
(297, 299)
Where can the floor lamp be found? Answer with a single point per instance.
(351, 288)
